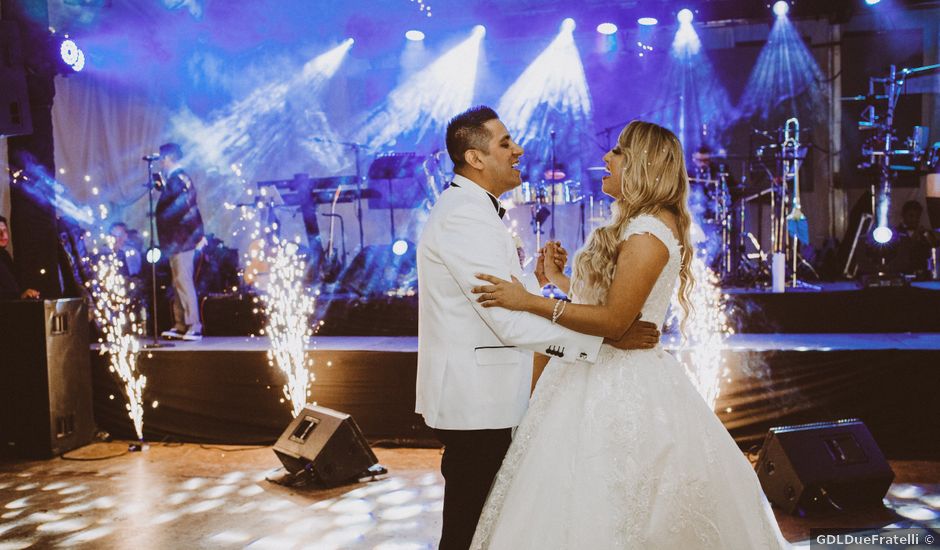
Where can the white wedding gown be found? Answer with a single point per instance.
(625, 453)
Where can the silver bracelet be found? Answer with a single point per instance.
(558, 310)
(555, 311)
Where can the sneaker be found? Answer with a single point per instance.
(172, 334)
(192, 335)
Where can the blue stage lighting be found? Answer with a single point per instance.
(607, 28)
(414, 35)
(648, 21)
(568, 24)
(479, 30)
(882, 234)
(153, 255)
(400, 247)
(872, 2)
(685, 16)
(781, 7)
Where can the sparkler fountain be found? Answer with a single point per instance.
(120, 329)
(288, 305)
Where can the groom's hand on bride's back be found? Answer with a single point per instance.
(640, 335)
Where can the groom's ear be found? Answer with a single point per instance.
(473, 157)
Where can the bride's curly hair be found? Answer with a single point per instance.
(654, 178)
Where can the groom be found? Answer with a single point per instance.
(475, 363)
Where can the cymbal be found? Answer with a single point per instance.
(557, 175)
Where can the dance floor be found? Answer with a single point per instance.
(192, 496)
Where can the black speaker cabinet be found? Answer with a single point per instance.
(816, 468)
(15, 117)
(326, 443)
(45, 368)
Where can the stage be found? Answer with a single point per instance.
(222, 389)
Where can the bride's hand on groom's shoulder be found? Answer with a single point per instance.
(640, 335)
(501, 293)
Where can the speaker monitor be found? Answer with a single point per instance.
(15, 117)
(326, 443)
(815, 468)
(46, 395)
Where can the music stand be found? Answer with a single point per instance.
(391, 167)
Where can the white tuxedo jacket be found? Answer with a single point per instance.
(475, 363)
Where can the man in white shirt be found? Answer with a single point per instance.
(475, 363)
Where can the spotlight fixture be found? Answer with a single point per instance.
(414, 35)
(153, 255)
(685, 16)
(882, 234)
(781, 7)
(607, 28)
(479, 30)
(567, 24)
(72, 55)
(400, 247)
(872, 2)
(647, 21)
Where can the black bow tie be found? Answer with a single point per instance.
(500, 211)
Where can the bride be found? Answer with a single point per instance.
(623, 453)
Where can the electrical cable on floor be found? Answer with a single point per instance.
(232, 450)
(92, 459)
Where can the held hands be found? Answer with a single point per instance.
(510, 295)
(640, 335)
(551, 263)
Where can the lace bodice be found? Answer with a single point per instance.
(657, 303)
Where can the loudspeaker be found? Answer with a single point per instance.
(15, 117)
(326, 443)
(815, 468)
(46, 395)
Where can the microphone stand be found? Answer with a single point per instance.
(551, 188)
(154, 343)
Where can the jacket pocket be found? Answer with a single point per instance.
(497, 355)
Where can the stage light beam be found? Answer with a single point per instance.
(607, 28)
(786, 80)
(685, 16)
(414, 35)
(781, 8)
(551, 94)
(425, 101)
(647, 21)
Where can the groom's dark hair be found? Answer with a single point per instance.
(465, 131)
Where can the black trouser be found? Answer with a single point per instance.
(471, 460)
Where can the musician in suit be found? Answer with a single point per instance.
(180, 230)
(475, 363)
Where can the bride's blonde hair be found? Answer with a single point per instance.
(654, 178)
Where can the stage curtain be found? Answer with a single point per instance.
(102, 129)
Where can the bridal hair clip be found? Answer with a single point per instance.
(558, 310)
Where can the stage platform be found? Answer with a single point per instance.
(222, 390)
(840, 307)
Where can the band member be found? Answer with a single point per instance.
(180, 230)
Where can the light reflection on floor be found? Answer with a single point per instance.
(187, 496)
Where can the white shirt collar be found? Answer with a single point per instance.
(467, 183)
